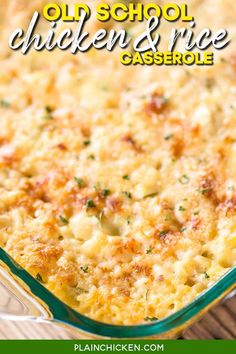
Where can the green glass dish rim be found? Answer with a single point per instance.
(66, 315)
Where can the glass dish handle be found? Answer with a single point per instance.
(23, 298)
(16, 301)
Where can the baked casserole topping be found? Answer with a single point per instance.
(118, 184)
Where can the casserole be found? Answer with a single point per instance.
(35, 303)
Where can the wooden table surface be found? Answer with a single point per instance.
(219, 323)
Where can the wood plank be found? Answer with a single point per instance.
(219, 323)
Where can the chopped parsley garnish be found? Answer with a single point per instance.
(167, 218)
(84, 268)
(202, 160)
(168, 137)
(152, 195)
(39, 278)
(91, 157)
(106, 192)
(163, 233)
(184, 179)
(143, 97)
(87, 142)
(204, 191)
(181, 208)
(126, 177)
(80, 182)
(128, 194)
(49, 111)
(231, 188)
(64, 220)
(90, 204)
(183, 229)
(82, 291)
(165, 99)
(149, 250)
(5, 104)
(97, 186)
(207, 276)
(151, 319)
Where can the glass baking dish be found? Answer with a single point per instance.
(25, 299)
